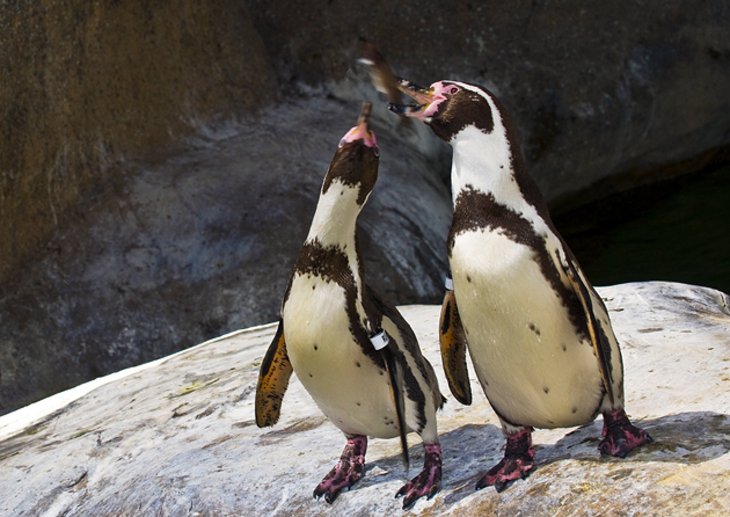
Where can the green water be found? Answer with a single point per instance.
(677, 230)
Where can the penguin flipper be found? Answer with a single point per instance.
(599, 342)
(391, 317)
(453, 349)
(276, 369)
(397, 386)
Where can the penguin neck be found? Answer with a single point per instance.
(484, 162)
(335, 218)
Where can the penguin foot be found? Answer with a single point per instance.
(428, 482)
(518, 462)
(347, 472)
(620, 436)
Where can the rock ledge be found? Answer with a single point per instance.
(177, 437)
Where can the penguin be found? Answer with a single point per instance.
(355, 355)
(539, 336)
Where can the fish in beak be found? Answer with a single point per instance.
(427, 100)
(423, 97)
(380, 73)
(386, 82)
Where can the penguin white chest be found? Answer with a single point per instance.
(533, 366)
(349, 388)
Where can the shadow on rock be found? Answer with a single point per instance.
(469, 451)
(464, 451)
(689, 437)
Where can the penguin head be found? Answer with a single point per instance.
(447, 107)
(356, 159)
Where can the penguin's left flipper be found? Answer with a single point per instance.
(600, 344)
(453, 349)
(276, 369)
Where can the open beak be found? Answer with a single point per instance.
(423, 97)
(388, 84)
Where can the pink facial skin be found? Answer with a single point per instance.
(360, 132)
(440, 93)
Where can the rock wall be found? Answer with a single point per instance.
(87, 84)
(178, 437)
(203, 243)
(144, 207)
(621, 92)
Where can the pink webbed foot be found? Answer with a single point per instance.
(428, 482)
(620, 436)
(347, 472)
(518, 462)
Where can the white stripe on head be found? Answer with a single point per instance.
(484, 161)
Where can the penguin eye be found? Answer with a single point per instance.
(452, 90)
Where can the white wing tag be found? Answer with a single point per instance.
(379, 340)
(448, 283)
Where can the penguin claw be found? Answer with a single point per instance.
(348, 471)
(341, 477)
(518, 463)
(506, 472)
(501, 486)
(419, 487)
(427, 483)
(620, 436)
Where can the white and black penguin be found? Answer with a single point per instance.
(356, 356)
(538, 334)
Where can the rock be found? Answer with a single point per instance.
(137, 191)
(203, 243)
(616, 94)
(178, 437)
(145, 207)
(88, 85)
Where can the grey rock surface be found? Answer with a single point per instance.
(203, 243)
(86, 85)
(616, 92)
(122, 238)
(177, 437)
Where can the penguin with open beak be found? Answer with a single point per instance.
(538, 334)
(356, 355)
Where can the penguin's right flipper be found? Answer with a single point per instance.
(453, 349)
(395, 375)
(600, 345)
(276, 369)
